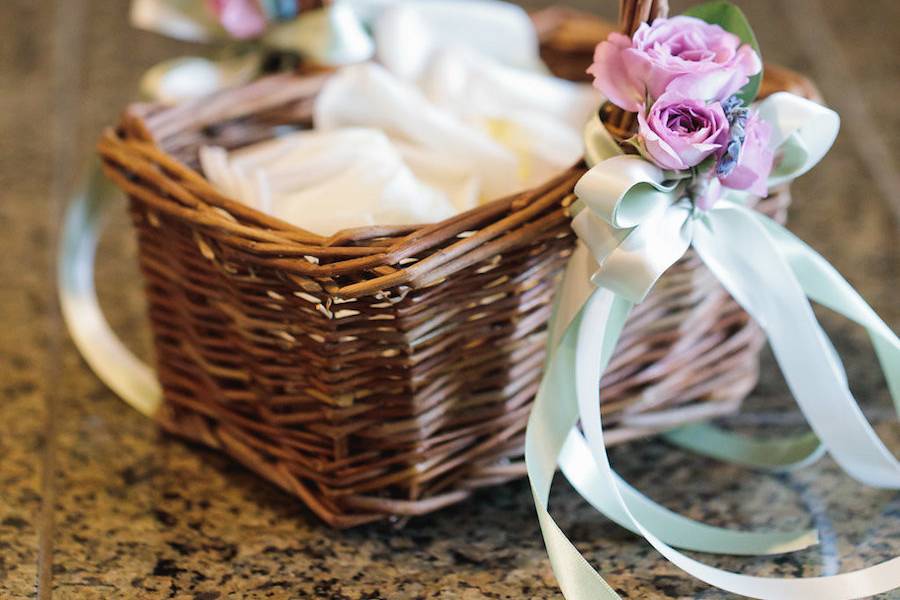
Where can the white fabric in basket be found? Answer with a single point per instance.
(437, 129)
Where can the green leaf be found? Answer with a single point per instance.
(730, 18)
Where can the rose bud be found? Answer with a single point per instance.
(679, 133)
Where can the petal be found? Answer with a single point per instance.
(713, 85)
(694, 154)
(741, 178)
(748, 60)
(613, 79)
(663, 154)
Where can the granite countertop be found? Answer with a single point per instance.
(95, 502)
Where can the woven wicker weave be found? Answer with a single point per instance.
(385, 371)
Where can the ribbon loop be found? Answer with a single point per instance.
(631, 261)
(802, 133)
(625, 190)
(633, 223)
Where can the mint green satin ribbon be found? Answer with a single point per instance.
(635, 227)
(131, 379)
(585, 351)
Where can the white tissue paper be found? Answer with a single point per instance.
(440, 126)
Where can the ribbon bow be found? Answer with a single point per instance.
(632, 226)
(637, 224)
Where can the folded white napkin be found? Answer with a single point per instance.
(328, 181)
(435, 129)
(500, 30)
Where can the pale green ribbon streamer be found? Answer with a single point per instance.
(125, 374)
(776, 297)
(804, 141)
(635, 227)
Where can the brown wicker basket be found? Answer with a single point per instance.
(385, 371)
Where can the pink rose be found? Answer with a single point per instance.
(682, 54)
(241, 18)
(612, 77)
(678, 133)
(754, 160)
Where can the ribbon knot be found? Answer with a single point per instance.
(634, 223)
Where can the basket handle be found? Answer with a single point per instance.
(633, 13)
(125, 374)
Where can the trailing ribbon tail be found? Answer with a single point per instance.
(742, 253)
(131, 379)
(802, 133)
(586, 349)
(823, 284)
(593, 347)
(780, 454)
(553, 416)
(577, 464)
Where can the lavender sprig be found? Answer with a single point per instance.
(737, 115)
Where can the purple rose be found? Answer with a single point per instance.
(754, 160)
(678, 133)
(682, 54)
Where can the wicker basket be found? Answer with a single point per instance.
(385, 371)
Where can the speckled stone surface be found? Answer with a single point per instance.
(96, 503)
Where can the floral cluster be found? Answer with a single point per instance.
(246, 19)
(681, 76)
